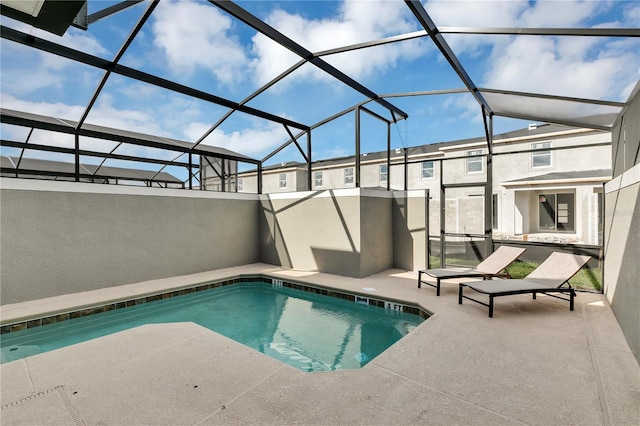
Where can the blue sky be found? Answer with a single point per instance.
(197, 44)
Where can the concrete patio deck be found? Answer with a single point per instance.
(535, 362)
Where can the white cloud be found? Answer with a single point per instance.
(40, 77)
(103, 113)
(55, 109)
(45, 70)
(475, 13)
(558, 14)
(148, 122)
(564, 67)
(196, 35)
(135, 120)
(356, 21)
(253, 142)
(586, 67)
(631, 15)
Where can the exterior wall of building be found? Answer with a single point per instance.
(622, 226)
(284, 179)
(520, 214)
(517, 201)
(344, 231)
(335, 177)
(65, 237)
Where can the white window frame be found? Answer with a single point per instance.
(349, 176)
(239, 185)
(423, 168)
(318, 178)
(283, 180)
(540, 154)
(473, 160)
(383, 176)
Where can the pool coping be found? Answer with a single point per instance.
(21, 321)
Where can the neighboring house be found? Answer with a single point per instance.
(547, 181)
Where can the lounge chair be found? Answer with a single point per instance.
(549, 277)
(492, 266)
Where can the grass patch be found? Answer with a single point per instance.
(434, 262)
(585, 279)
(519, 270)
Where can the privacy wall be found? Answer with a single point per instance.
(622, 225)
(345, 231)
(63, 237)
(409, 229)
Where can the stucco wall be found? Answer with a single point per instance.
(345, 231)
(409, 245)
(63, 237)
(622, 251)
(622, 226)
(376, 233)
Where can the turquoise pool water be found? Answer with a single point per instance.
(308, 331)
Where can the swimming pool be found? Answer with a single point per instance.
(309, 331)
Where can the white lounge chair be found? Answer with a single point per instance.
(493, 266)
(549, 277)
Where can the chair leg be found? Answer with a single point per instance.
(572, 294)
(419, 279)
(490, 306)
(460, 288)
(437, 286)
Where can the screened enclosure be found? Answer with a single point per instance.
(209, 95)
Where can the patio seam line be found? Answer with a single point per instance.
(27, 370)
(602, 396)
(464, 401)
(29, 397)
(232, 400)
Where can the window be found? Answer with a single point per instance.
(383, 173)
(348, 176)
(474, 164)
(239, 186)
(541, 158)
(318, 178)
(495, 213)
(427, 170)
(283, 180)
(556, 212)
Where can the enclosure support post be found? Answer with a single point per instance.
(427, 251)
(223, 174)
(388, 156)
(488, 190)
(310, 172)
(357, 171)
(405, 151)
(190, 170)
(77, 157)
(443, 245)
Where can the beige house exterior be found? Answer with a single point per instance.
(556, 197)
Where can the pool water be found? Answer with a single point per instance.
(308, 331)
